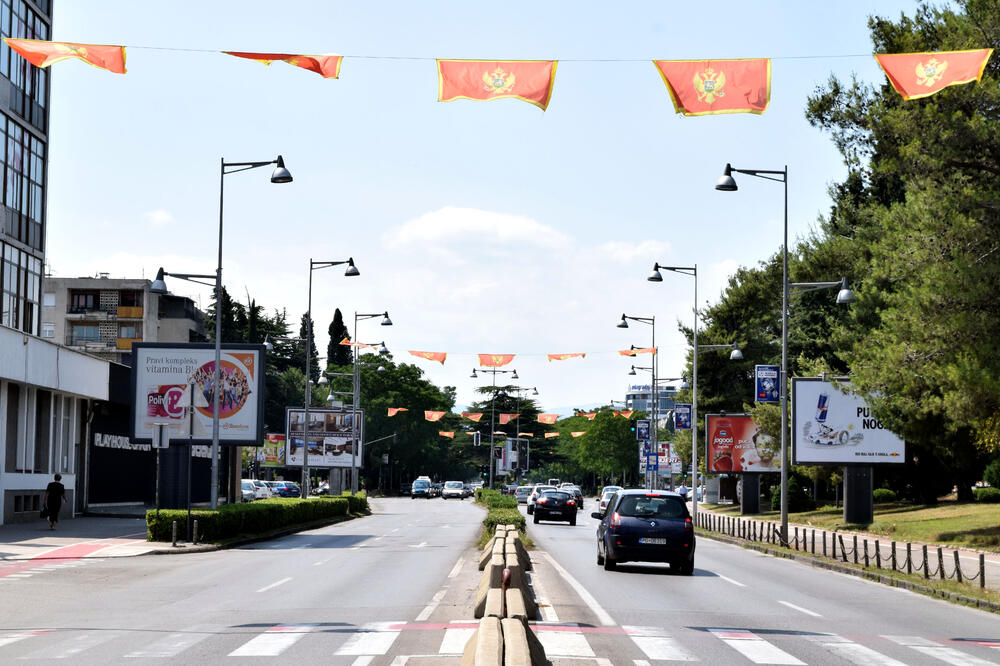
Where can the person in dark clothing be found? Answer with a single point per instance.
(55, 495)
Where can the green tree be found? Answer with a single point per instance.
(336, 353)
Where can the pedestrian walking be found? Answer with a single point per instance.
(55, 495)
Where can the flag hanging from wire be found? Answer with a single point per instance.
(548, 418)
(708, 87)
(327, 66)
(495, 360)
(42, 53)
(396, 410)
(484, 80)
(433, 416)
(916, 75)
(563, 357)
(431, 356)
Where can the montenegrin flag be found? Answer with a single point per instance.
(708, 87)
(495, 360)
(396, 410)
(548, 418)
(450, 434)
(507, 418)
(524, 434)
(472, 416)
(637, 350)
(626, 414)
(347, 343)
(483, 80)
(327, 66)
(590, 415)
(563, 357)
(431, 356)
(916, 75)
(579, 433)
(550, 435)
(433, 416)
(43, 54)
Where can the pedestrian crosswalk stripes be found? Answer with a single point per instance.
(410, 643)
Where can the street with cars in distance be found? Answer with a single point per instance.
(397, 587)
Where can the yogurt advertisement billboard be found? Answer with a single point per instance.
(735, 444)
(163, 372)
(831, 426)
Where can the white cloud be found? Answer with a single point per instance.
(451, 226)
(626, 253)
(158, 218)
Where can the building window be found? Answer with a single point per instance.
(127, 331)
(48, 299)
(83, 301)
(48, 329)
(130, 298)
(82, 333)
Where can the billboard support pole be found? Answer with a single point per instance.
(190, 447)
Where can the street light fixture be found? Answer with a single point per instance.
(493, 401)
(727, 183)
(351, 271)
(356, 402)
(653, 412)
(279, 175)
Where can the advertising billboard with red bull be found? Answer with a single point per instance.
(830, 425)
(173, 384)
(735, 444)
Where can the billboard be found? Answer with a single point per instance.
(734, 443)
(833, 427)
(766, 383)
(162, 374)
(272, 454)
(682, 417)
(329, 437)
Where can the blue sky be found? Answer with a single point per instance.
(481, 227)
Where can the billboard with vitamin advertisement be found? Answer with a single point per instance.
(832, 426)
(163, 375)
(735, 444)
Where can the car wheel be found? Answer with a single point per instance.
(531, 509)
(610, 564)
(684, 567)
(536, 519)
(600, 558)
(572, 521)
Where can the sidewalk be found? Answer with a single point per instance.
(75, 538)
(969, 557)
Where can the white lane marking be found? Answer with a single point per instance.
(13, 637)
(587, 597)
(376, 538)
(455, 570)
(173, 644)
(274, 641)
(365, 660)
(75, 645)
(938, 651)
(640, 662)
(372, 638)
(418, 545)
(402, 660)
(454, 640)
(854, 652)
(396, 529)
(545, 606)
(754, 648)
(601, 661)
(565, 644)
(435, 600)
(656, 643)
(274, 584)
(730, 580)
(799, 608)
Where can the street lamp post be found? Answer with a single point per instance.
(727, 183)
(352, 271)
(356, 402)
(651, 481)
(279, 175)
(517, 425)
(493, 401)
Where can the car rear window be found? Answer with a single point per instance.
(643, 506)
(558, 494)
(421, 484)
(453, 484)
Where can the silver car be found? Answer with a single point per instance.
(523, 493)
(535, 493)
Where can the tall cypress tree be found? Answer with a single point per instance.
(336, 353)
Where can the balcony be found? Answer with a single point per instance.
(88, 314)
(125, 344)
(88, 343)
(130, 312)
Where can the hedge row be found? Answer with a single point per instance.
(494, 499)
(987, 495)
(496, 517)
(255, 518)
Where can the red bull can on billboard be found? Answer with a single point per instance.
(822, 405)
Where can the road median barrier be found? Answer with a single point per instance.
(504, 605)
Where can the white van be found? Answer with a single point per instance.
(553, 482)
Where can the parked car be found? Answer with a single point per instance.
(261, 488)
(247, 490)
(289, 489)
(281, 489)
(555, 505)
(535, 494)
(646, 526)
(453, 489)
(421, 488)
(523, 493)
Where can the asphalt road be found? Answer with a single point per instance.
(744, 607)
(398, 587)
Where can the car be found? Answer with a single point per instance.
(281, 489)
(604, 499)
(421, 488)
(646, 526)
(292, 489)
(577, 495)
(436, 489)
(535, 493)
(555, 505)
(453, 489)
(523, 493)
(509, 489)
(261, 489)
(247, 490)
(612, 489)
(467, 490)
(404, 489)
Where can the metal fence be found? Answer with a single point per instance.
(903, 557)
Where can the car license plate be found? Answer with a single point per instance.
(655, 541)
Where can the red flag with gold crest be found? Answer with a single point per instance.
(42, 53)
(916, 75)
(484, 80)
(433, 416)
(550, 435)
(472, 416)
(327, 66)
(495, 360)
(450, 434)
(507, 418)
(396, 410)
(431, 356)
(708, 87)
(563, 357)
(548, 418)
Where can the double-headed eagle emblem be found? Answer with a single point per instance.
(709, 85)
(498, 81)
(930, 73)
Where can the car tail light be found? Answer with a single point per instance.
(688, 525)
(571, 502)
(616, 520)
(541, 500)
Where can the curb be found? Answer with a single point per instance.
(207, 548)
(954, 597)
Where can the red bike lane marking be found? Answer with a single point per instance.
(69, 553)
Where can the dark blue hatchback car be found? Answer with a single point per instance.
(646, 526)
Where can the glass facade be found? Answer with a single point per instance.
(23, 153)
(640, 398)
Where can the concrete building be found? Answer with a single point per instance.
(640, 398)
(104, 316)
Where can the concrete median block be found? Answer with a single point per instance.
(489, 550)
(479, 609)
(489, 647)
(469, 653)
(520, 645)
(496, 567)
(515, 604)
(512, 554)
(519, 581)
(494, 603)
